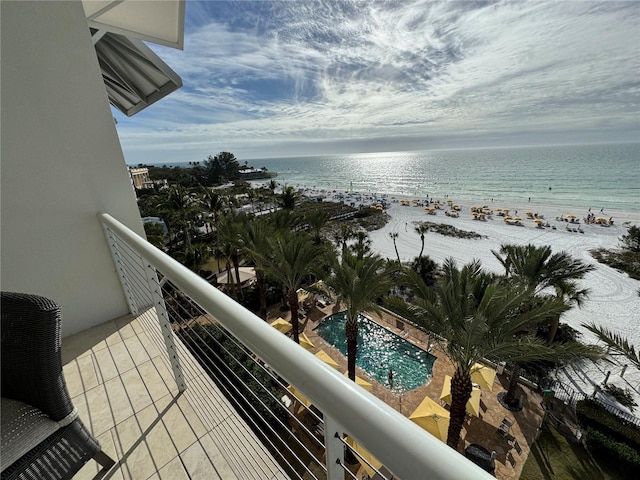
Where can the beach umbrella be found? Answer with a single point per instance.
(299, 396)
(322, 355)
(305, 342)
(281, 325)
(432, 417)
(483, 376)
(361, 381)
(473, 404)
(363, 453)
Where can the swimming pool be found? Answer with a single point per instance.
(379, 350)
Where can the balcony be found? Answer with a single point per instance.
(158, 412)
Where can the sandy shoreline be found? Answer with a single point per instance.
(613, 302)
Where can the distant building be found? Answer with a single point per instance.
(250, 173)
(140, 178)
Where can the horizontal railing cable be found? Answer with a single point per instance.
(204, 356)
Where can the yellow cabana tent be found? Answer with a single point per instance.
(299, 396)
(483, 376)
(322, 355)
(364, 453)
(473, 404)
(361, 381)
(432, 417)
(281, 325)
(305, 342)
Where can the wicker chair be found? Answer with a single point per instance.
(42, 436)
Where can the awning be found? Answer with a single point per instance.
(133, 75)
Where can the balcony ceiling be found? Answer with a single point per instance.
(160, 22)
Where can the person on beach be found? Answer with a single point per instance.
(390, 378)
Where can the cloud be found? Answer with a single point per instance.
(270, 77)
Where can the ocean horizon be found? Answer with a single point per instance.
(601, 176)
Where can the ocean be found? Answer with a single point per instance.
(587, 176)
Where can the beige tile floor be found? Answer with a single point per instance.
(121, 382)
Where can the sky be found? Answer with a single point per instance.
(268, 79)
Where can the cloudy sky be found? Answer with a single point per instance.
(278, 79)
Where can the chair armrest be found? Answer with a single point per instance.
(31, 362)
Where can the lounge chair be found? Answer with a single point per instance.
(42, 435)
(505, 427)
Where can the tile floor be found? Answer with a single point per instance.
(120, 380)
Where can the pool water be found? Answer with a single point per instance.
(379, 350)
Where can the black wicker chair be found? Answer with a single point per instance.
(42, 436)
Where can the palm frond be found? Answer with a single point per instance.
(615, 342)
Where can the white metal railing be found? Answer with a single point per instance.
(404, 448)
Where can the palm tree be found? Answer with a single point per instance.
(358, 281)
(254, 240)
(478, 315)
(179, 201)
(293, 259)
(214, 203)
(342, 236)
(228, 235)
(317, 219)
(288, 198)
(272, 186)
(362, 246)
(538, 268)
(394, 236)
(421, 229)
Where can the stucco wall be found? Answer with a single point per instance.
(61, 164)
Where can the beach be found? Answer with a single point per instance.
(613, 301)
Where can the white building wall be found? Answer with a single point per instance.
(61, 164)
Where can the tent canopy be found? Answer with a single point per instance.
(483, 376)
(473, 404)
(322, 355)
(432, 417)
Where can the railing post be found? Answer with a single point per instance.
(334, 448)
(122, 273)
(165, 325)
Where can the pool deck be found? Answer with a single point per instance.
(482, 430)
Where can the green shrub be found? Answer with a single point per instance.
(616, 455)
(594, 416)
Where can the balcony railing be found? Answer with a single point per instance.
(223, 335)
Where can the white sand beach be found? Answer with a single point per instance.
(613, 302)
